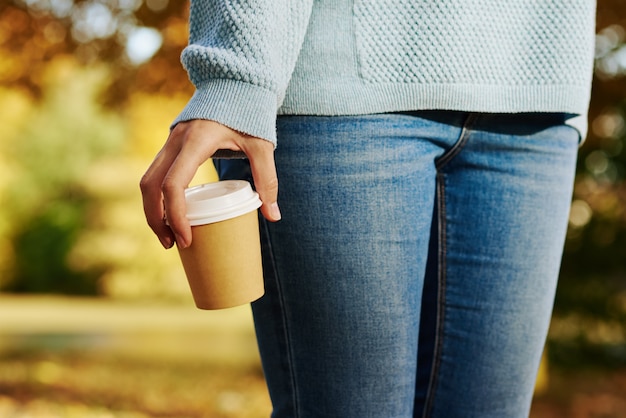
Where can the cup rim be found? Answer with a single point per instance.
(219, 201)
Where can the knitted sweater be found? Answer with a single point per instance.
(251, 60)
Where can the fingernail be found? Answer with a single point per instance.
(167, 242)
(275, 211)
(181, 242)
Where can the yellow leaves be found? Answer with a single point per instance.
(15, 106)
(149, 118)
(67, 151)
(176, 32)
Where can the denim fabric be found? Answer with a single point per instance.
(414, 269)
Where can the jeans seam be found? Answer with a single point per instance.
(289, 349)
(441, 288)
(459, 144)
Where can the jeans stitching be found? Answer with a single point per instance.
(428, 404)
(289, 348)
(441, 290)
(459, 144)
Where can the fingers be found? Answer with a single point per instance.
(164, 182)
(261, 156)
(173, 186)
(155, 215)
(189, 145)
(152, 196)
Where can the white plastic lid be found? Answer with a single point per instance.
(219, 201)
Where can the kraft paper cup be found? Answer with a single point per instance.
(223, 262)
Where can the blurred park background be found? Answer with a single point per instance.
(96, 318)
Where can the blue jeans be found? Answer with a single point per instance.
(414, 270)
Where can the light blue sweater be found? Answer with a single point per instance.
(253, 59)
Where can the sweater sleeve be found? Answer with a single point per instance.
(240, 57)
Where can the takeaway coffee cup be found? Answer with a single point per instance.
(223, 262)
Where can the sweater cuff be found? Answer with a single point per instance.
(244, 107)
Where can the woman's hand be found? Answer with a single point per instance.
(189, 145)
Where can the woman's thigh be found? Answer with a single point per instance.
(502, 206)
(338, 327)
(345, 267)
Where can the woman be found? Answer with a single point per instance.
(426, 154)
